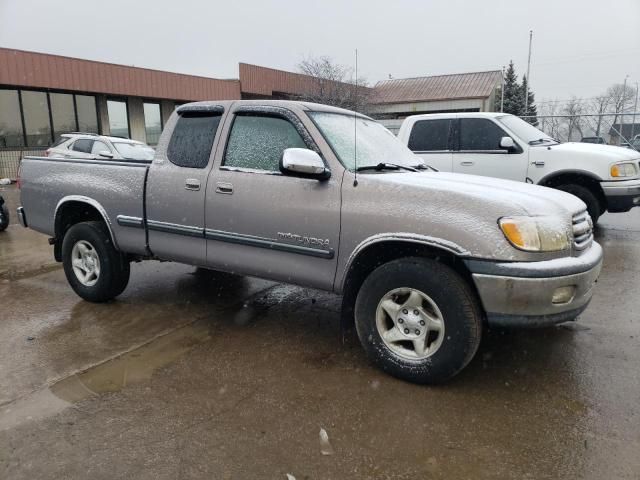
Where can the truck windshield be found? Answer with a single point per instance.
(525, 131)
(134, 151)
(375, 144)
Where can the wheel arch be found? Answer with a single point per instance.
(376, 251)
(74, 209)
(578, 177)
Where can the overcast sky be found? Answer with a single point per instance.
(580, 47)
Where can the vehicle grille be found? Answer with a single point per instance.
(582, 230)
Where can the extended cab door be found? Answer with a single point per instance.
(478, 151)
(261, 222)
(431, 141)
(177, 183)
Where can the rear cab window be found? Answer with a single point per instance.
(257, 142)
(192, 139)
(430, 135)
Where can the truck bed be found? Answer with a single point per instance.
(113, 187)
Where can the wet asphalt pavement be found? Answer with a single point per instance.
(216, 376)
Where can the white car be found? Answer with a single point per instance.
(94, 146)
(604, 177)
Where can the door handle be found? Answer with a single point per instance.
(224, 188)
(467, 163)
(192, 184)
(538, 163)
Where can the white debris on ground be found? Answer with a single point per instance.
(5, 181)
(290, 477)
(325, 445)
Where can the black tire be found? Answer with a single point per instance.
(451, 294)
(114, 267)
(594, 206)
(4, 217)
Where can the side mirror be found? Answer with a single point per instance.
(105, 154)
(507, 143)
(302, 162)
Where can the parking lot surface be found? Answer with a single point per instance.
(215, 376)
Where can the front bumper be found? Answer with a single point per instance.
(521, 294)
(622, 195)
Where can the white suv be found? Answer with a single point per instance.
(92, 146)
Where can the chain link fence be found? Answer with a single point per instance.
(10, 159)
(608, 129)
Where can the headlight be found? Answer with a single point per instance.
(536, 234)
(626, 169)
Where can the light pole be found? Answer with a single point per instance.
(502, 92)
(526, 90)
(622, 99)
(635, 109)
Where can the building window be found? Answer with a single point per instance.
(87, 114)
(152, 122)
(36, 118)
(118, 118)
(11, 134)
(62, 113)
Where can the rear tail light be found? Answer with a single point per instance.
(18, 182)
(46, 152)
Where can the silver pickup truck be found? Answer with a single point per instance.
(325, 198)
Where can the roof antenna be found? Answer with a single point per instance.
(355, 127)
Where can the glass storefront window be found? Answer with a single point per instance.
(10, 123)
(87, 114)
(118, 118)
(152, 122)
(36, 118)
(64, 118)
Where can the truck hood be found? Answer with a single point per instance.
(509, 197)
(607, 153)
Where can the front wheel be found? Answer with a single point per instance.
(4, 217)
(96, 271)
(594, 206)
(418, 320)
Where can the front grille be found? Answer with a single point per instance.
(582, 230)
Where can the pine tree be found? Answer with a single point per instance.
(513, 99)
(531, 112)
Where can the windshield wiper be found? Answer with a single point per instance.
(424, 166)
(386, 166)
(541, 140)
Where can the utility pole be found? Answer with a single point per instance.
(635, 109)
(526, 91)
(624, 94)
(502, 92)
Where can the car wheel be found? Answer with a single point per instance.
(96, 271)
(418, 320)
(4, 217)
(594, 207)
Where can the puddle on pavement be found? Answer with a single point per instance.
(111, 376)
(137, 365)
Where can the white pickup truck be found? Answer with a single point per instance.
(604, 177)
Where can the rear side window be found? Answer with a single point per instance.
(192, 139)
(98, 147)
(83, 145)
(258, 142)
(430, 135)
(480, 134)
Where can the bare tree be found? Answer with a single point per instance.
(334, 84)
(573, 108)
(599, 105)
(621, 98)
(550, 123)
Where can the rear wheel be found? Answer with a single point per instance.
(418, 320)
(594, 206)
(96, 271)
(4, 217)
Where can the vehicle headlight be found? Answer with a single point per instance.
(626, 169)
(536, 234)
